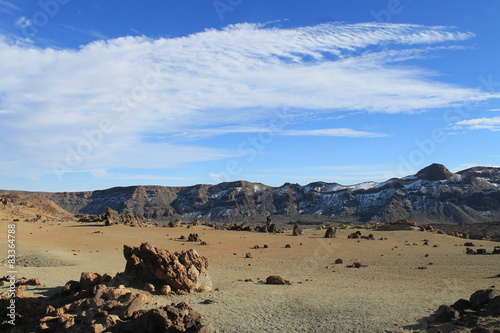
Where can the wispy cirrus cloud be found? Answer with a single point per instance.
(219, 81)
(492, 124)
(200, 133)
(8, 7)
(335, 132)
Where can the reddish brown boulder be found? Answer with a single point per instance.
(111, 217)
(171, 318)
(276, 279)
(184, 271)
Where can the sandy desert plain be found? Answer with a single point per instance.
(387, 295)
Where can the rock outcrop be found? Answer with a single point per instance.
(331, 232)
(93, 307)
(100, 303)
(477, 314)
(398, 225)
(184, 271)
(297, 230)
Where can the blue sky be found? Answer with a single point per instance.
(96, 94)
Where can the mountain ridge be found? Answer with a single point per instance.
(432, 194)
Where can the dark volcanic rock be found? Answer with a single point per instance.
(482, 297)
(445, 314)
(480, 314)
(434, 172)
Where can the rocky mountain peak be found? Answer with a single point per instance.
(434, 172)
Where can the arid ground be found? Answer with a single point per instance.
(389, 293)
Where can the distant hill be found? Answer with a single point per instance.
(432, 195)
(32, 207)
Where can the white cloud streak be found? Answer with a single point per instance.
(492, 124)
(216, 79)
(335, 132)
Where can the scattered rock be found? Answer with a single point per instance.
(339, 261)
(297, 230)
(331, 232)
(276, 279)
(356, 265)
(166, 290)
(287, 246)
(355, 235)
(193, 238)
(208, 301)
(149, 287)
(248, 255)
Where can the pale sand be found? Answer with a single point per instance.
(388, 294)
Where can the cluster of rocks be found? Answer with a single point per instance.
(479, 313)
(356, 264)
(112, 217)
(89, 305)
(5, 280)
(358, 235)
(269, 227)
(398, 225)
(468, 250)
(98, 303)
